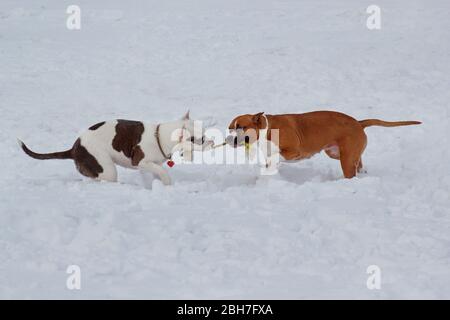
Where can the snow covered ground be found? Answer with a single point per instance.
(224, 231)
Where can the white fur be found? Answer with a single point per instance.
(270, 151)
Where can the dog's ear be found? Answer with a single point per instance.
(186, 116)
(256, 118)
(232, 125)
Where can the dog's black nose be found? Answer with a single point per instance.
(231, 140)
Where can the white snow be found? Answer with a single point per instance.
(224, 231)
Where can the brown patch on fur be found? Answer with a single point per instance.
(85, 162)
(137, 156)
(96, 126)
(128, 136)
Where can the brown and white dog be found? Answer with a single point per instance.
(130, 144)
(302, 135)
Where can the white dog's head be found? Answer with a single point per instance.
(191, 137)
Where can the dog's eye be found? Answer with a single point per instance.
(192, 139)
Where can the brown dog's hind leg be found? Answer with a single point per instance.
(351, 149)
(349, 165)
(360, 167)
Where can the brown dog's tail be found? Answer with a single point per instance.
(45, 156)
(375, 122)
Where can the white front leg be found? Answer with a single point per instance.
(271, 155)
(157, 170)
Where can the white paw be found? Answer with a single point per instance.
(362, 171)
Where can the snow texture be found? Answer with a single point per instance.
(224, 231)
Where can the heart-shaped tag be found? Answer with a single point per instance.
(170, 163)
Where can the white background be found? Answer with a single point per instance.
(225, 231)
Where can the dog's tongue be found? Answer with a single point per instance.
(170, 163)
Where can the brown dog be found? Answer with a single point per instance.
(303, 135)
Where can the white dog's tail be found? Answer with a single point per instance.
(45, 156)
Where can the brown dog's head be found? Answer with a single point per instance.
(245, 129)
